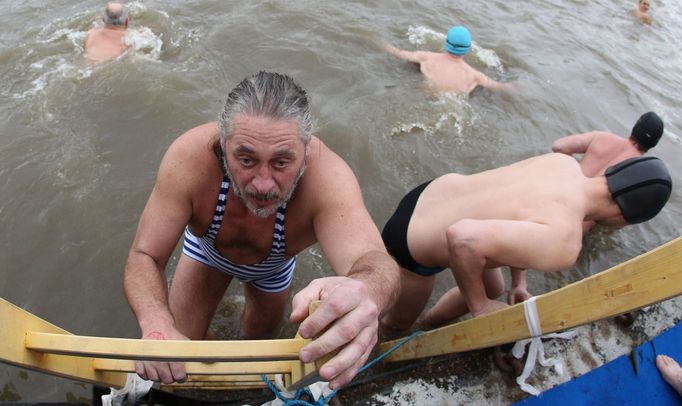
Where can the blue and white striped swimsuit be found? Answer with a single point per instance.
(272, 275)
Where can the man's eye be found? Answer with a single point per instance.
(281, 164)
(246, 161)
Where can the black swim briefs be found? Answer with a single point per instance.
(395, 233)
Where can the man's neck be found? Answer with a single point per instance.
(114, 27)
(598, 199)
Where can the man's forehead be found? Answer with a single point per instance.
(257, 122)
(251, 134)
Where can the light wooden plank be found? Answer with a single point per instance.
(14, 322)
(647, 279)
(201, 368)
(164, 350)
(307, 373)
(214, 386)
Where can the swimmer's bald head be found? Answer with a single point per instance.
(114, 14)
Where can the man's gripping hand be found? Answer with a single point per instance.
(351, 319)
(159, 371)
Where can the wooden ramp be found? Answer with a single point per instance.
(33, 343)
(647, 279)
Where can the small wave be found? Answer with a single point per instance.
(143, 41)
(449, 114)
(675, 138)
(487, 56)
(49, 68)
(419, 35)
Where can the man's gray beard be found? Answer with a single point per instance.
(262, 212)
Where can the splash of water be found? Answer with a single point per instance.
(142, 41)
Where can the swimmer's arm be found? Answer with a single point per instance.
(573, 144)
(519, 286)
(416, 56)
(488, 83)
(162, 222)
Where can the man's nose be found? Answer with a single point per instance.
(263, 182)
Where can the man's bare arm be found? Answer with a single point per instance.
(573, 144)
(519, 286)
(489, 83)
(167, 212)
(416, 56)
(368, 281)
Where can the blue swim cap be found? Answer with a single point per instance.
(458, 41)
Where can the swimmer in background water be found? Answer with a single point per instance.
(448, 71)
(106, 43)
(603, 149)
(642, 12)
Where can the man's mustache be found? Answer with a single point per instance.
(264, 197)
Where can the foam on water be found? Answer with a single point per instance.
(448, 113)
(143, 42)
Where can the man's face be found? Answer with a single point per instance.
(644, 5)
(265, 160)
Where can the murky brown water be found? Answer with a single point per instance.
(79, 147)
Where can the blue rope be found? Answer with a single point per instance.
(296, 400)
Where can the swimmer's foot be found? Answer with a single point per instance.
(490, 306)
(507, 362)
(671, 372)
(626, 320)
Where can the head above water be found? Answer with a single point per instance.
(640, 186)
(458, 41)
(644, 5)
(115, 14)
(270, 95)
(647, 130)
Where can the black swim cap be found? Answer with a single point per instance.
(640, 186)
(648, 130)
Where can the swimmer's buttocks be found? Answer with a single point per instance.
(648, 130)
(640, 186)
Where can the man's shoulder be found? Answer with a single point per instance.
(195, 142)
(611, 139)
(325, 168)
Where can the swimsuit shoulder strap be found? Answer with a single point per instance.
(219, 212)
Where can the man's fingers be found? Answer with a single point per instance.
(347, 329)
(341, 369)
(150, 372)
(161, 371)
(178, 371)
(139, 369)
(329, 311)
(299, 305)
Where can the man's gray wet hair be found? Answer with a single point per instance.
(271, 95)
(114, 14)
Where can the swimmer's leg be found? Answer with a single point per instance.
(671, 372)
(475, 245)
(452, 305)
(263, 312)
(195, 292)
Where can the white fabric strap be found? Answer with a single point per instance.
(133, 390)
(536, 349)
